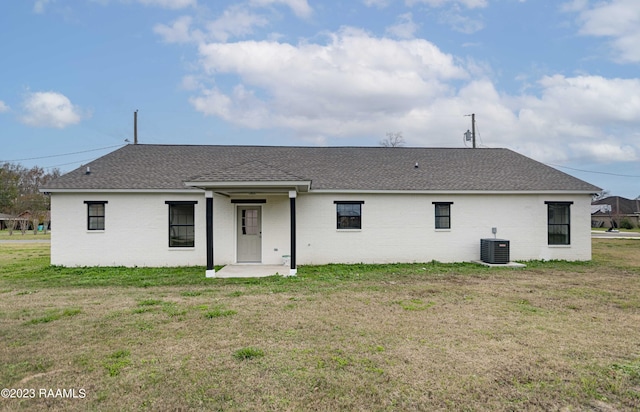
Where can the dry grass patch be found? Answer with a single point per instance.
(619, 252)
(554, 336)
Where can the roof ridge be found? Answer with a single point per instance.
(319, 147)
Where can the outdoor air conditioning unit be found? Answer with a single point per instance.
(494, 251)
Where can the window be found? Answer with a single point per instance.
(250, 222)
(559, 223)
(443, 215)
(181, 224)
(349, 214)
(95, 215)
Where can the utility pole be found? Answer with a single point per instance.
(135, 127)
(473, 129)
(471, 135)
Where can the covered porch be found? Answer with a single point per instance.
(257, 208)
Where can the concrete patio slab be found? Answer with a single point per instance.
(502, 265)
(252, 271)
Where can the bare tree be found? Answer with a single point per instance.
(35, 221)
(24, 225)
(600, 195)
(11, 225)
(393, 140)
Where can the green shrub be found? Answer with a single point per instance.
(626, 224)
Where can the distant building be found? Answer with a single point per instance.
(4, 220)
(612, 211)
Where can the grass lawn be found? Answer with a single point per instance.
(554, 336)
(28, 235)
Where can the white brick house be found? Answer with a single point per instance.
(174, 205)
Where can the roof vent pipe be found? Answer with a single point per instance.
(416, 166)
(87, 171)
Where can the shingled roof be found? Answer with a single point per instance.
(619, 205)
(167, 167)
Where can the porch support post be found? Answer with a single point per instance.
(293, 271)
(211, 272)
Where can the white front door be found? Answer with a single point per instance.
(249, 234)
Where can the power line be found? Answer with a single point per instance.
(591, 171)
(60, 155)
(81, 162)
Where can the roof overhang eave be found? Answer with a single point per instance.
(118, 190)
(459, 192)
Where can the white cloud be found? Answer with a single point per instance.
(405, 28)
(240, 107)
(471, 4)
(236, 21)
(170, 4)
(617, 20)
(333, 88)
(454, 13)
(299, 7)
(166, 4)
(461, 23)
(356, 85)
(606, 151)
(39, 5)
(573, 116)
(574, 5)
(49, 109)
(575, 112)
(178, 32)
(592, 99)
(4, 107)
(376, 3)
(351, 69)
(213, 102)
(191, 83)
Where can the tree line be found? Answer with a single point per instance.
(20, 199)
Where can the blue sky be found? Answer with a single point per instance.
(557, 81)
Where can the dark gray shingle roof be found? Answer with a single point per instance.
(626, 206)
(254, 171)
(329, 168)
